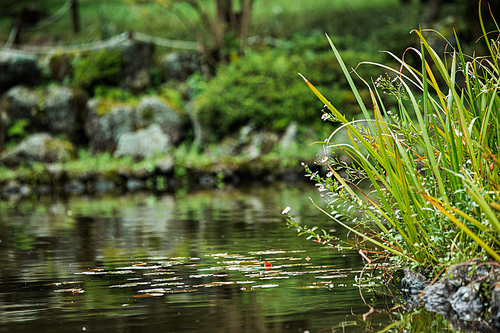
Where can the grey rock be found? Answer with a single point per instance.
(40, 147)
(43, 189)
(64, 106)
(138, 58)
(22, 102)
(135, 184)
(17, 68)
(180, 65)
(165, 164)
(11, 188)
(261, 142)
(436, 298)
(104, 185)
(56, 109)
(74, 187)
(104, 130)
(143, 143)
(467, 303)
(152, 109)
(57, 66)
(412, 285)
(290, 136)
(495, 308)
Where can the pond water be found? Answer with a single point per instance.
(209, 261)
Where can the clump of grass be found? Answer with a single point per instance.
(432, 163)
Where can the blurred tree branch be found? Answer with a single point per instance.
(223, 34)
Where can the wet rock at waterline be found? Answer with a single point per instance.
(464, 296)
(16, 68)
(40, 147)
(412, 285)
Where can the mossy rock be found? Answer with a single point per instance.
(40, 147)
(100, 67)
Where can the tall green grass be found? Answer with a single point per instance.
(432, 164)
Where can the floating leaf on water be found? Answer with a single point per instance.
(178, 291)
(173, 278)
(138, 267)
(156, 290)
(215, 284)
(338, 276)
(240, 262)
(62, 283)
(129, 285)
(149, 295)
(72, 290)
(266, 286)
(93, 272)
(269, 252)
(199, 276)
(168, 284)
(224, 255)
(171, 263)
(297, 265)
(159, 273)
(120, 272)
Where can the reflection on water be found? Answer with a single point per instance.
(178, 263)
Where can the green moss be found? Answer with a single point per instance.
(98, 67)
(106, 105)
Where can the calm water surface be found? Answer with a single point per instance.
(178, 263)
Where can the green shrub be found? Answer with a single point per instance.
(99, 67)
(264, 89)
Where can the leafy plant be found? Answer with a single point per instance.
(19, 128)
(432, 163)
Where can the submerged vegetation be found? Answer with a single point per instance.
(423, 189)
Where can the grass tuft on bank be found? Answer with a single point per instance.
(424, 186)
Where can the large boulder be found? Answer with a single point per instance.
(57, 66)
(179, 65)
(107, 120)
(152, 109)
(56, 109)
(17, 68)
(106, 123)
(39, 147)
(138, 57)
(64, 109)
(143, 143)
(21, 102)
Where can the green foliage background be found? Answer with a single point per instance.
(264, 89)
